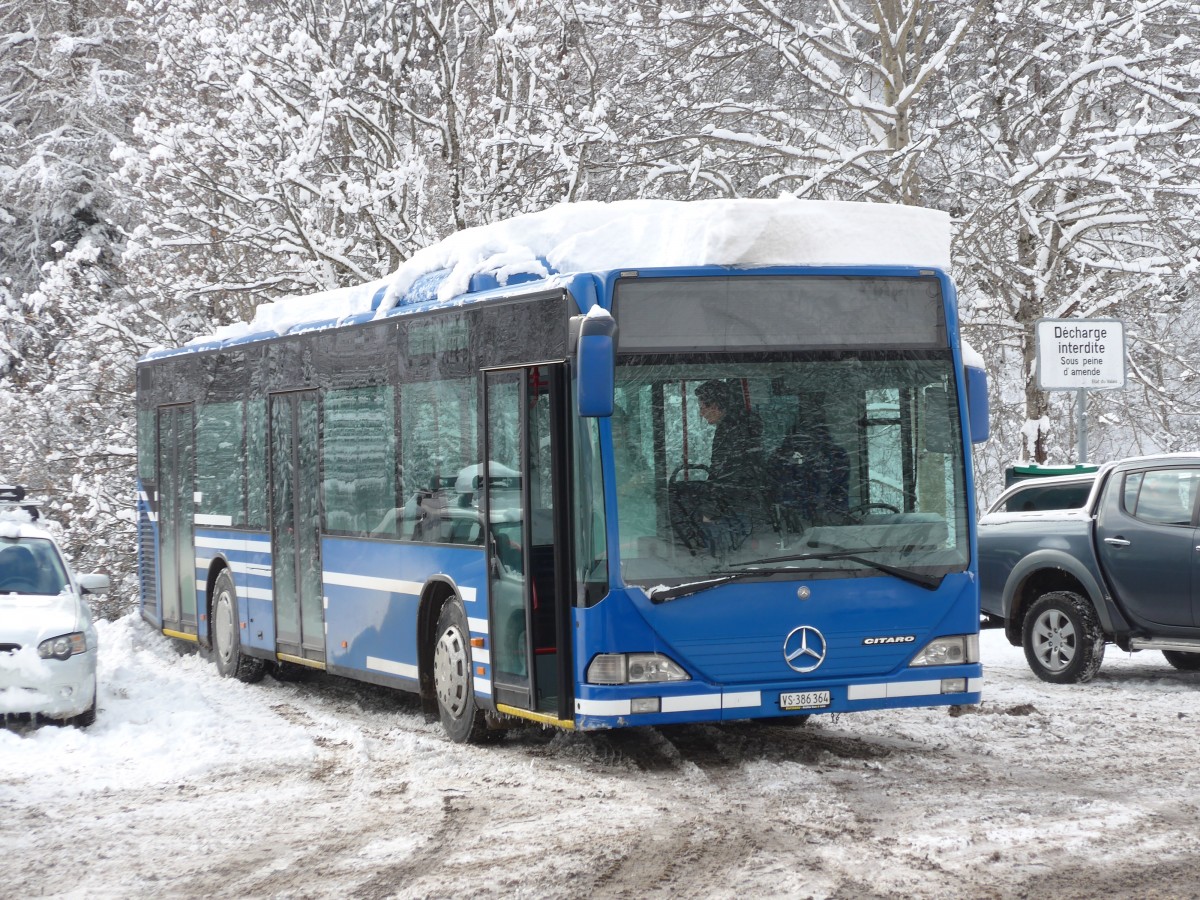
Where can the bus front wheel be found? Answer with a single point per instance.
(226, 637)
(461, 717)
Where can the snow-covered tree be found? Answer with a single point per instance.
(1079, 202)
(757, 98)
(166, 165)
(65, 93)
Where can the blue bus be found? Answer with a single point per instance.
(636, 495)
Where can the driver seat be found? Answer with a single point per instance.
(812, 478)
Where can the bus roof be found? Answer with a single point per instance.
(593, 236)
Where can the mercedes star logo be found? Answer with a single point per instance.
(804, 648)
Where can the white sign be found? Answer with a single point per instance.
(1074, 354)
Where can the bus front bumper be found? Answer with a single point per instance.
(599, 707)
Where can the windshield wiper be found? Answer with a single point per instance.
(694, 587)
(929, 582)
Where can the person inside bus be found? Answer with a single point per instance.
(735, 465)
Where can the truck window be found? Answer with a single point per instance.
(1164, 497)
(1038, 498)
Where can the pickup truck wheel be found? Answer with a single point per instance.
(1184, 662)
(1064, 643)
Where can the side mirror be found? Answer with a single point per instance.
(596, 357)
(977, 403)
(93, 584)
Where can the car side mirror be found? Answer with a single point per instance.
(94, 583)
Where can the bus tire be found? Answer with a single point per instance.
(226, 635)
(1063, 640)
(461, 718)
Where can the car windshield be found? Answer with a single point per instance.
(722, 461)
(30, 566)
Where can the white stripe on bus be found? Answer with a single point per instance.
(602, 707)
(483, 686)
(677, 703)
(371, 583)
(392, 667)
(242, 568)
(890, 689)
(691, 703)
(392, 585)
(256, 545)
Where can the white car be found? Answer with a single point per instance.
(47, 640)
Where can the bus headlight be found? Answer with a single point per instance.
(949, 651)
(634, 668)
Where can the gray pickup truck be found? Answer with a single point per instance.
(1123, 568)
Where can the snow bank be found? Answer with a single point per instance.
(163, 717)
(595, 237)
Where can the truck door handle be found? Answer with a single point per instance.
(1117, 542)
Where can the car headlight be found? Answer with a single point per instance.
(634, 668)
(64, 646)
(949, 651)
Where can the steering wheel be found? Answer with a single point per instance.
(687, 467)
(18, 585)
(857, 513)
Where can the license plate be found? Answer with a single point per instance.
(804, 700)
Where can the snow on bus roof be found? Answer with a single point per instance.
(594, 236)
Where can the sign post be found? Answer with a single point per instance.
(1080, 355)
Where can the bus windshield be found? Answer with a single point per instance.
(833, 463)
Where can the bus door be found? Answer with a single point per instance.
(176, 517)
(527, 504)
(296, 528)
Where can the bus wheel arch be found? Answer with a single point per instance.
(204, 635)
(435, 595)
(447, 682)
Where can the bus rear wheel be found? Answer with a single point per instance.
(226, 636)
(462, 719)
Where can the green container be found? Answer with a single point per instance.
(1013, 474)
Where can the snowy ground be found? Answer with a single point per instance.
(191, 786)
